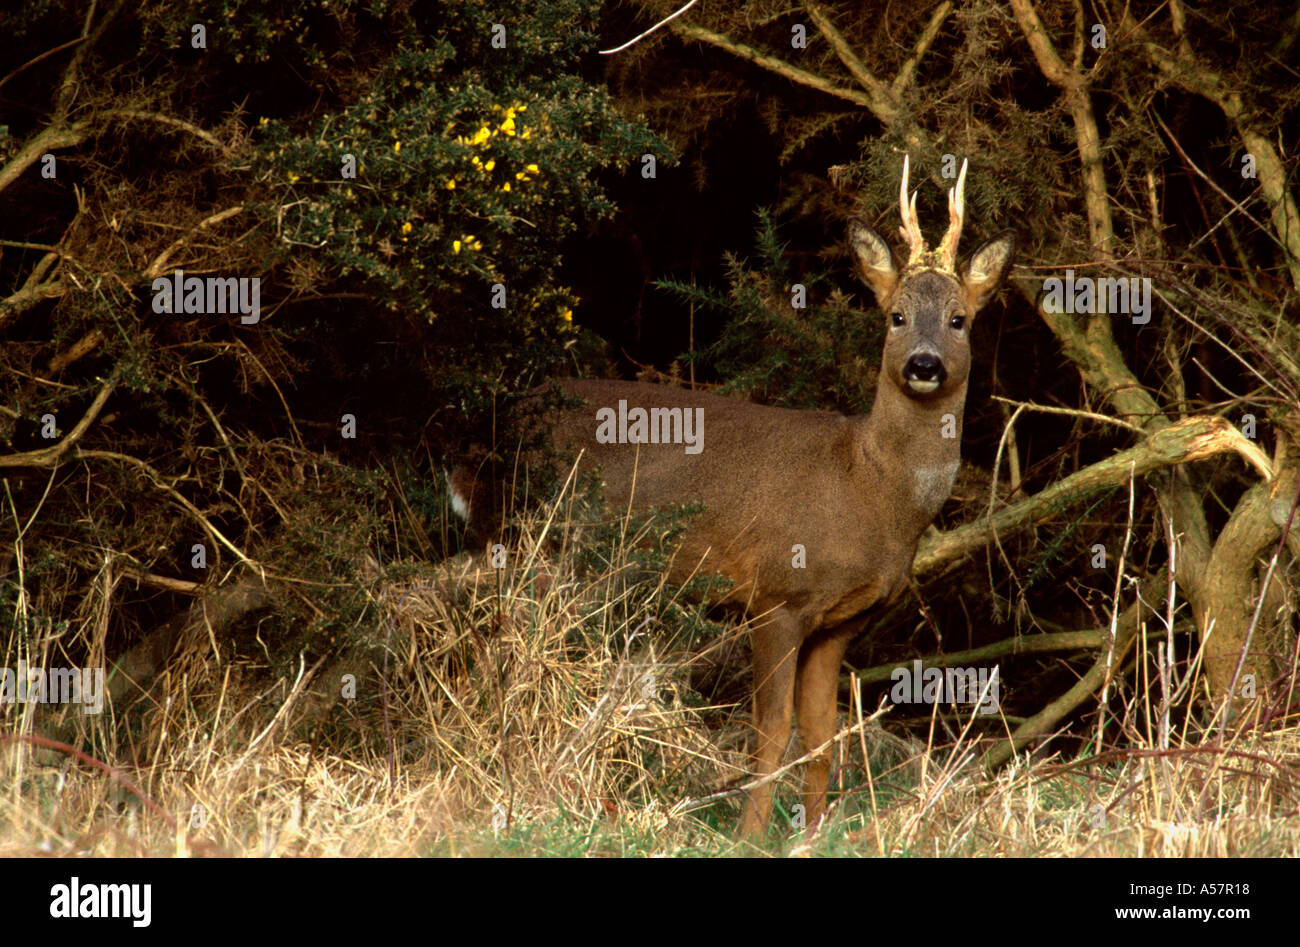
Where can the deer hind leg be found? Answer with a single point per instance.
(816, 696)
(776, 653)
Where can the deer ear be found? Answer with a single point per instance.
(875, 261)
(986, 267)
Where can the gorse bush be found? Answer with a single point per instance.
(448, 193)
(401, 179)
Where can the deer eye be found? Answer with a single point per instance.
(957, 322)
(897, 319)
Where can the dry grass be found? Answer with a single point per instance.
(554, 708)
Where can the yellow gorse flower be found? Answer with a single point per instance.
(397, 147)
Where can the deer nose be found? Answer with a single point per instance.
(925, 371)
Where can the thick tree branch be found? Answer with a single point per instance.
(1075, 87)
(31, 293)
(1009, 647)
(46, 140)
(49, 456)
(1230, 584)
(1049, 60)
(1194, 438)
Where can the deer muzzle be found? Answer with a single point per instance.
(924, 373)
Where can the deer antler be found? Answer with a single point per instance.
(911, 229)
(947, 253)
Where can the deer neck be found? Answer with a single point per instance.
(905, 444)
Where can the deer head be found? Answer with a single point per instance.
(929, 301)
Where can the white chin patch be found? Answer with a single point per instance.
(922, 387)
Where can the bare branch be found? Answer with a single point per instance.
(1126, 631)
(156, 268)
(885, 105)
(1040, 44)
(1194, 438)
(46, 140)
(772, 64)
(1070, 412)
(928, 35)
(45, 55)
(1008, 647)
(637, 39)
(49, 456)
(1186, 71)
(169, 120)
(161, 483)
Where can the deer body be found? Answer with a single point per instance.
(845, 489)
(814, 516)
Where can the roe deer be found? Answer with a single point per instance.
(853, 493)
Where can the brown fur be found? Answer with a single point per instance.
(855, 492)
